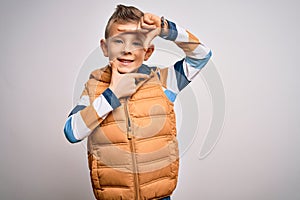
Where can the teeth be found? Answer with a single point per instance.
(124, 60)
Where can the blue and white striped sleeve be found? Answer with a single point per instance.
(85, 117)
(179, 75)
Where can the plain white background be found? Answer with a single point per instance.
(255, 49)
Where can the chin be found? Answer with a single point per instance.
(124, 70)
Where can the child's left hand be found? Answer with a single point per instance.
(152, 24)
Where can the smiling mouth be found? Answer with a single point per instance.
(125, 60)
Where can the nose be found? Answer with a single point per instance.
(127, 49)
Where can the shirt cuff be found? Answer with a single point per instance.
(172, 34)
(111, 98)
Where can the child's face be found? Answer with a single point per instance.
(126, 45)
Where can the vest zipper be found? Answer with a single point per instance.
(132, 149)
(128, 122)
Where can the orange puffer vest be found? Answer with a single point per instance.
(133, 153)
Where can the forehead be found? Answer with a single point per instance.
(117, 28)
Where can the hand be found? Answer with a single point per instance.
(123, 85)
(152, 24)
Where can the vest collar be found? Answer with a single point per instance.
(104, 74)
(144, 69)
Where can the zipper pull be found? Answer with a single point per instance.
(129, 134)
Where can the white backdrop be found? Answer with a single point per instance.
(44, 44)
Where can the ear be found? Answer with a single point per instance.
(104, 48)
(149, 52)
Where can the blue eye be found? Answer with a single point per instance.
(118, 41)
(137, 43)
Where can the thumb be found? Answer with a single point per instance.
(150, 35)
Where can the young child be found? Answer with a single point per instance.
(126, 108)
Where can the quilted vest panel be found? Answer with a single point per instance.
(133, 153)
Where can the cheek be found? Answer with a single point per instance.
(114, 51)
(140, 55)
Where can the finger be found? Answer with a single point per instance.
(141, 22)
(148, 27)
(112, 62)
(150, 36)
(147, 23)
(146, 43)
(148, 40)
(138, 75)
(152, 19)
(148, 19)
(128, 29)
(113, 65)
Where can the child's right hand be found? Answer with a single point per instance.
(123, 85)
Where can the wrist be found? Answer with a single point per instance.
(164, 27)
(113, 90)
(172, 32)
(111, 98)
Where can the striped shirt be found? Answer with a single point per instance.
(82, 121)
